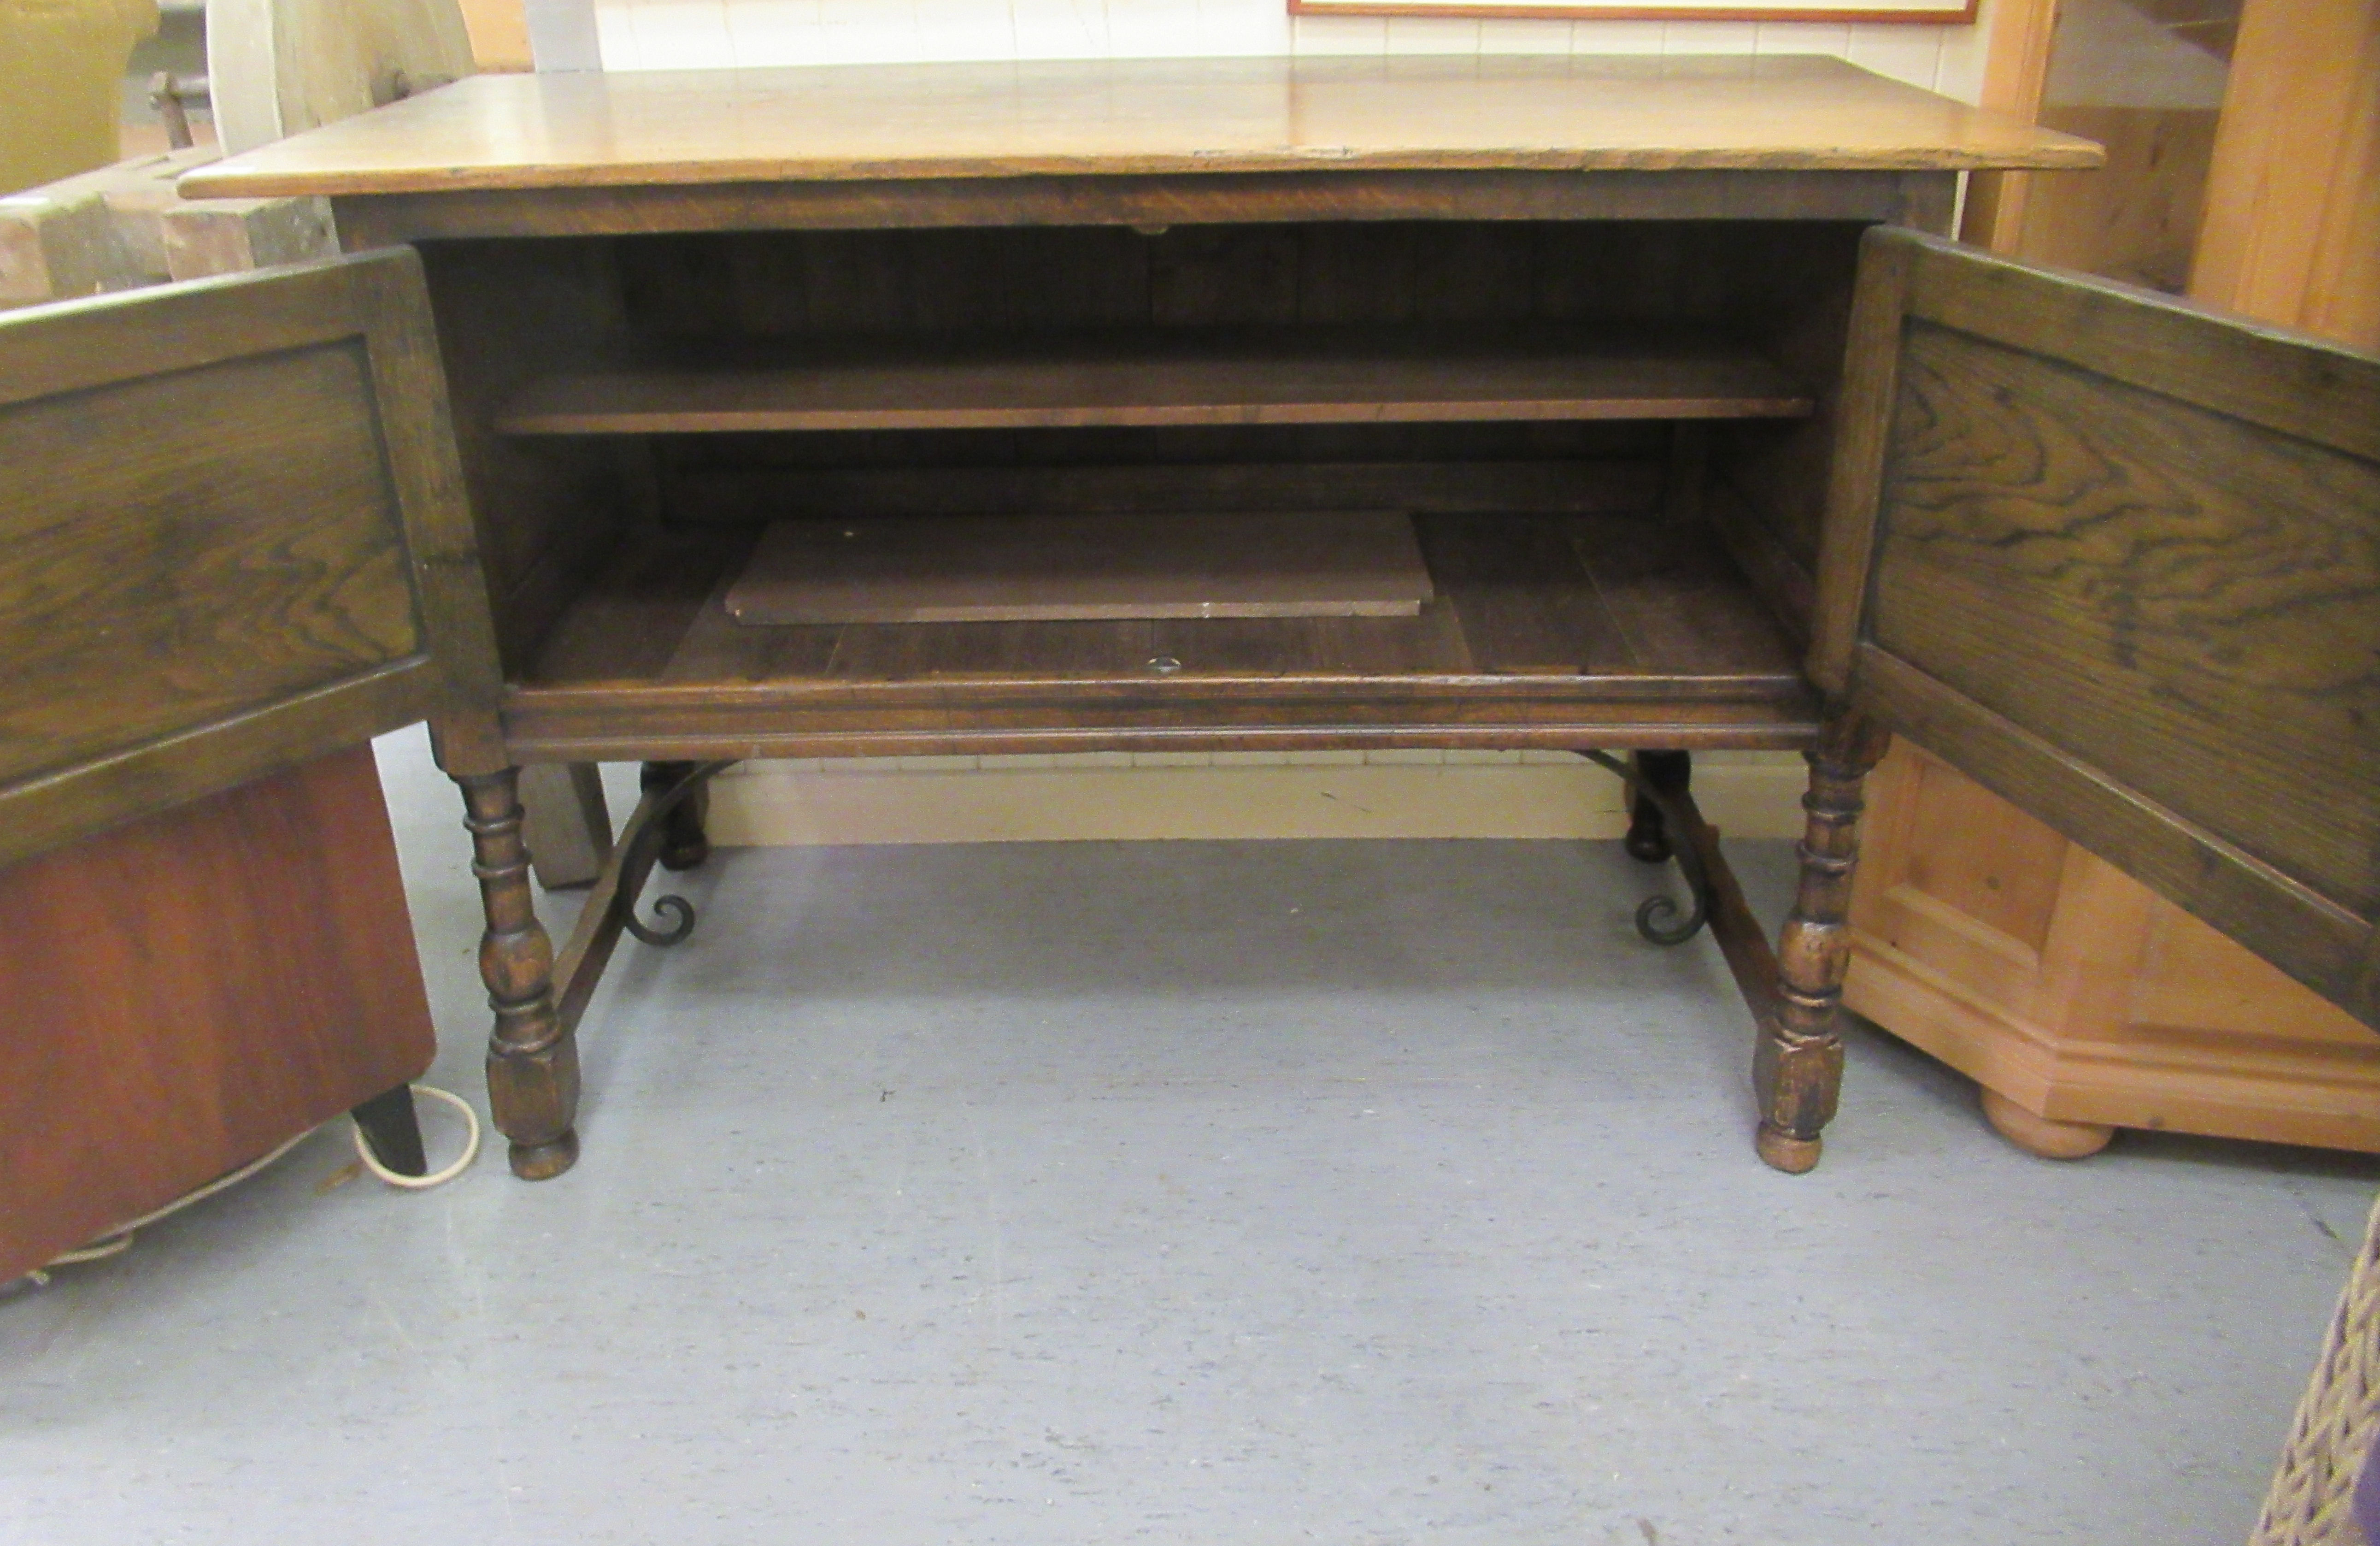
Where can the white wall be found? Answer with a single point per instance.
(712, 34)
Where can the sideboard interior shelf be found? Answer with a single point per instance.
(1315, 376)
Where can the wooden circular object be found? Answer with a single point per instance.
(2046, 1137)
(1783, 1151)
(278, 67)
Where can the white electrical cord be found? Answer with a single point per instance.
(119, 1240)
(436, 1178)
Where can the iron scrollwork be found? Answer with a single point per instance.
(641, 844)
(1655, 916)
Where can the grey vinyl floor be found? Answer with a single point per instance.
(1183, 1193)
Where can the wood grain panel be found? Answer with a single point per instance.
(2268, 376)
(2006, 878)
(191, 988)
(2134, 219)
(632, 620)
(181, 550)
(1226, 277)
(924, 717)
(232, 536)
(1023, 568)
(1748, 277)
(1524, 599)
(2185, 603)
(1684, 608)
(969, 652)
(1518, 594)
(2119, 562)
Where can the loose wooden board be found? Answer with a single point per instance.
(1073, 569)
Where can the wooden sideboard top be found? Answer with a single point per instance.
(1124, 117)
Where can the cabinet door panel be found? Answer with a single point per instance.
(2119, 561)
(232, 539)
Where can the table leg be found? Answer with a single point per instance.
(1798, 1069)
(388, 1125)
(532, 1061)
(684, 842)
(1669, 772)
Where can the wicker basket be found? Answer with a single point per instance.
(2311, 1502)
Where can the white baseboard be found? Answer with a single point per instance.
(1252, 795)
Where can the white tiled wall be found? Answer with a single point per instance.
(698, 34)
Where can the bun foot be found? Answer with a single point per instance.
(2045, 1135)
(544, 1162)
(1782, 1150)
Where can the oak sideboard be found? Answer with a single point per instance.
(1697, 437)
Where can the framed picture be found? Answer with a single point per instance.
(1941, 12)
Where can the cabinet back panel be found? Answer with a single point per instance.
(1544, 467)
(788, 284)
(1780, 285)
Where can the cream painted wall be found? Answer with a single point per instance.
(710, 34)
(1122, 796)
(1330, 794)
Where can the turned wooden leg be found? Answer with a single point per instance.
(685, 844)
(532, 1063)
(388, 1124)
(1798, 1070)
(1669, 772)
(2045, 1135)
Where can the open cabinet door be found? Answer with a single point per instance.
(233, 538)
(2118, 560)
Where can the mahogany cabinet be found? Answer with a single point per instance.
(194, 988)
(1700, 445)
